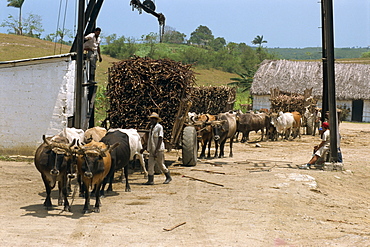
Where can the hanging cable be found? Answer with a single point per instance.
(75, 21)
(64, 23)
(56, 32)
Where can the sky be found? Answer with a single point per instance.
(282, 23)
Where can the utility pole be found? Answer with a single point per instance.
(79, 65)
(328, 48)
(325, 106)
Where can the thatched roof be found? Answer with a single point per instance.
(352, 80)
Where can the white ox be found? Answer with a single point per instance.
(73, 133)
(284, 124)
(135, 146)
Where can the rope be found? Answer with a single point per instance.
(64, 23)
(55, 43)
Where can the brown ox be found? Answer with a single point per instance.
(297, 124)
(93, 163)
(224, 128)
(95, 133)
(52, 161)
(253, 122)
(204, 133)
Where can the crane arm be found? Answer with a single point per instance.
(138, 5)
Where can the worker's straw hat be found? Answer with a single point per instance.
(155, 115)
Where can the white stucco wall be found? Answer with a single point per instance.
(366, 111)
(261, 101)
(37, 97)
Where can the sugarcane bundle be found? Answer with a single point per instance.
(139, 86)
(287, 102)
(212, 99)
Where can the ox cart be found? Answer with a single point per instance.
(139, 86)
(183, 136)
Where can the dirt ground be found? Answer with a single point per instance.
(256, 198)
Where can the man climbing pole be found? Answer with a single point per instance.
(92, 46)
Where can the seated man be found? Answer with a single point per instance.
(322, 148)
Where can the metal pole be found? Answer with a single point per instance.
(79, 65)
(325, 106)
(333, 123)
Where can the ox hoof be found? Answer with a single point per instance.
(97, 210)
(85, 211)
(67, 208)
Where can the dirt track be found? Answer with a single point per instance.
(272, 205)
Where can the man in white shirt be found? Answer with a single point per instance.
(155, 147)
(322, 148)
(92, 46)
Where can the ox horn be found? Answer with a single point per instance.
(109, 148)
(113, 146)
(45, 140)
(73, 143)
(55, 144)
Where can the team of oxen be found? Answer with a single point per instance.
(227, 126)
(95, 155)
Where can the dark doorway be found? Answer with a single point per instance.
(357, 110)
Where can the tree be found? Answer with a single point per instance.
(33, 26)
(172, 36)
(201, 36)
(258, 40)
(17, 4)
(12, 24)
(121, 48)
(245, 80)
(217, 44)
(150, 39)
(59, 36)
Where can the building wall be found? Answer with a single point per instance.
(366, 111)
(36, 99)
(261, 101)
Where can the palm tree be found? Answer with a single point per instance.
(259, 41)
(17, 4)
(245, 81)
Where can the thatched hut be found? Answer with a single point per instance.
(352, 84)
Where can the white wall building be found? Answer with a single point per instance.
(37, 97)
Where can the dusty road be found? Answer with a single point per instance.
(273, 204)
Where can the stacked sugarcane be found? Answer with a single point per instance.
(139, 86)
(212, 99)
(288, 102)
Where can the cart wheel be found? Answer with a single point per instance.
(189, 146)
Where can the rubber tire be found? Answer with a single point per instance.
(189, 146)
